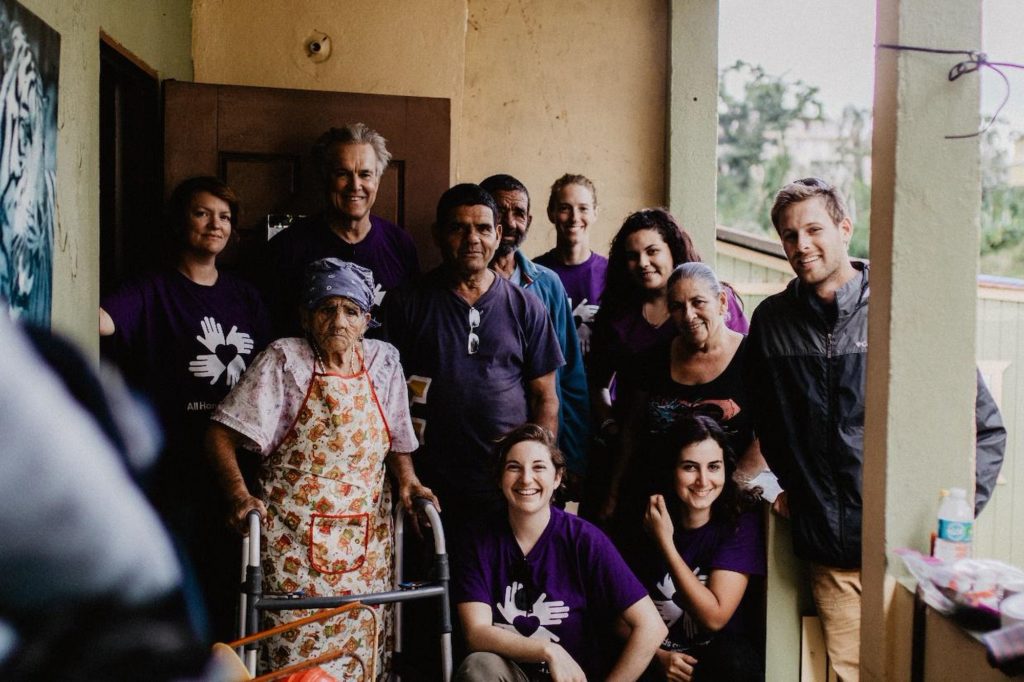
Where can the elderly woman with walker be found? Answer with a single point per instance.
(326, 413)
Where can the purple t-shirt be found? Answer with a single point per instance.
(387, 250)
(584, 283)
(715, 545)
(185, 344)
(460, 401)
(571, 586)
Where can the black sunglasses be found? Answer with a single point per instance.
(816, 183)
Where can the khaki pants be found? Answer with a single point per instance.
(483, 666)
(837, 597)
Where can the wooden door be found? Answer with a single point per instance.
(129, 166)
(258, 140)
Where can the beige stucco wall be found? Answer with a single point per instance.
(158, 33)
(538, 88)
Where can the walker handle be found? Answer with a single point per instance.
(254, 519)
(427, 507)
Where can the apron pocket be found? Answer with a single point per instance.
(337, 543)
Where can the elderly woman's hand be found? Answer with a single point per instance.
(409, 486)
(240, 509)
(409, 490)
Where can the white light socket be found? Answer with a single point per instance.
(318, 47)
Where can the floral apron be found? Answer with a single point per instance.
(329, 528)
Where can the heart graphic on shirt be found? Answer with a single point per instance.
(526, 625)
(226, 353)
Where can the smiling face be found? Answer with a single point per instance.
(698, 313)
(816, 246)
(336, 324)
(700, 478)
(649, 259)
(208, 224)
(352, 180)
(573, 214)
(529, 478)
(515, 219)
(469, 238)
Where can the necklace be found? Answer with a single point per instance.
(654, 323)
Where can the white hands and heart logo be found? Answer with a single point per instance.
(225, 356)
(669, 611)
(585, 313)
(531, 623)
(378, 295)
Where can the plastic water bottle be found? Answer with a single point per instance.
(956, 527)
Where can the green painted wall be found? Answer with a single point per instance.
(159, 33)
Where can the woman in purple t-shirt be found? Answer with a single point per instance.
(539, 589)
(184, 334)
(709, 543)
(572, 209)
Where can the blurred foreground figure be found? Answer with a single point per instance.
(88, 577)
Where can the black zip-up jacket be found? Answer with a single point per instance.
(805, 378)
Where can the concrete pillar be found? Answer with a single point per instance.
(924, 242)
(692, 136)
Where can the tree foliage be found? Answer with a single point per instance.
(756, 111)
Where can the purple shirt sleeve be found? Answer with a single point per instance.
(612, 583)
(744, 550)
(737, 320)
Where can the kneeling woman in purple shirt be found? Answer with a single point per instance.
(539, 590)
(709, 544)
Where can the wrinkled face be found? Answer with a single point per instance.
(469, 239)
(336, 324)
(815, 245)
(648, 259)
(696, 311)
(352, 180)
(574, 213)
(529, 477)
(208, 225)
(515, 219)
(700, 478)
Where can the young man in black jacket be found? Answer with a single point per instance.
(807, 356)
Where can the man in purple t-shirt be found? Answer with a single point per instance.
(479, 356)
(351, 161)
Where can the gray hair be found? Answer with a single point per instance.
(351, 133)
(697, 271)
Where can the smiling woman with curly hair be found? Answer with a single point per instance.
(538, 590)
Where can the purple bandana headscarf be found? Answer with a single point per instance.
(335, 277)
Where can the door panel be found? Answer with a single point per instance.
(258, 140)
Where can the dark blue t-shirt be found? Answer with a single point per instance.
(462, 402)
(570, 588)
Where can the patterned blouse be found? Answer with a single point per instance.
(264, 403)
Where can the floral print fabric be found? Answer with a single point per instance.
(329, 528)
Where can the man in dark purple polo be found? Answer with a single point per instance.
(351, 161)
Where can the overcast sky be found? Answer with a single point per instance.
(830, 44)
